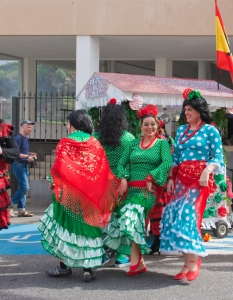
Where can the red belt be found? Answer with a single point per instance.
(137, 183)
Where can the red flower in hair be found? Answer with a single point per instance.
(161, 123)
(186, 93)
(222, 211)
(148, 110)
(112, 101)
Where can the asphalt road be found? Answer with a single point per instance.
(23, 277)
(23, 261)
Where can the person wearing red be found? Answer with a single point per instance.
(85, 194)
(8, 151)
(162, 198)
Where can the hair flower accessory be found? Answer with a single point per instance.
(114, 101)
(190, 94)
(148, 110)
(161, 123)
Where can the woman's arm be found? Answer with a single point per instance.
(161, 172)
(123, 170)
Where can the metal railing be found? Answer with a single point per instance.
(49, 112)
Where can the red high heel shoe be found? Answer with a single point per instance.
(181, 275)
(191, 275)
(132, 270)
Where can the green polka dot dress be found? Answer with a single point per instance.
(135, 164)
(114, 154)
(67, 236)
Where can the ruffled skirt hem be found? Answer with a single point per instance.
(77, 251)
(127, 228)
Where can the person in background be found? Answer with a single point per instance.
(149, 160)
(8, 151)
(114, 139)
(229, 112)
(197, 155)
(162, 197)
(20, 170)
(85, 194)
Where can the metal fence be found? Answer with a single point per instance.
(49, 112)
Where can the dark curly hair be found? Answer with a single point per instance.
(112, 125)
(80, 120)
(200, 105)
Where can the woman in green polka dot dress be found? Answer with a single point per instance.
(114, 139)
(197, 154)
(85, 193)
(144, 162)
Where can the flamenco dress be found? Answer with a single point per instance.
(114, 154)
(129, 225)
(85, 194)
(182, 217)
(162, 199)
(6, 131)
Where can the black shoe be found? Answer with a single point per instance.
(58, 271)
(88, 275)
(156, 245)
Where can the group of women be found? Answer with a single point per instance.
(113, 189)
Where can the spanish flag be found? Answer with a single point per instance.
(224, 56)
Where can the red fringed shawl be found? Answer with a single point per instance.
(83, 180)
(189, 172)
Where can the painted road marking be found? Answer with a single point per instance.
(26, 240)
(21, 240)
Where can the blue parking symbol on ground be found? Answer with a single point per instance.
(21, 240)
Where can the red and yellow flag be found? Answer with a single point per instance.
(223, 52)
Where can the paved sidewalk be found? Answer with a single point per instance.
(38, 211)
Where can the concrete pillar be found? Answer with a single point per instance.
(163, 67)
(202, 70)
(87, 59)
(113, 66)
(29, 85)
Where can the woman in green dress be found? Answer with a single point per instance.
(149, 160)
(114, 139)
(85, 194)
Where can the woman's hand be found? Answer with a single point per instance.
(123, 187)
(150, 187)
(170, 186)
(204, 178)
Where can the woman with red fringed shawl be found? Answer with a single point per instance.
(85, 194)
(8, 150)
(197, 155)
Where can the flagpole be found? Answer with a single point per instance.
(218, 77)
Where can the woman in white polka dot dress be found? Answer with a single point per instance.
(197, 155)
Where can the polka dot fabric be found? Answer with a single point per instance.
(179, 222)
(114, 154)
(130, 226)
(178, 227)
(205, 145)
